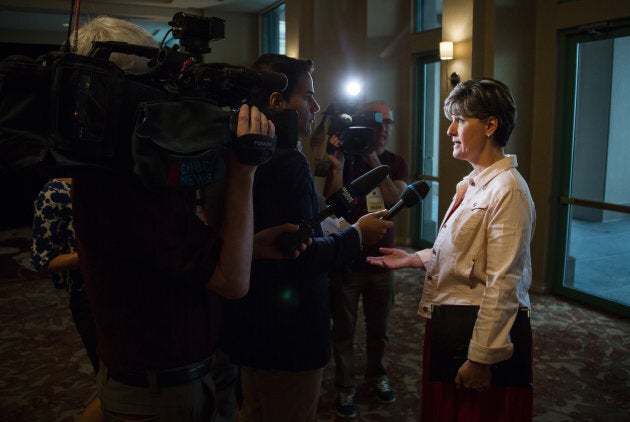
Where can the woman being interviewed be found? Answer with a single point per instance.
(481, 257)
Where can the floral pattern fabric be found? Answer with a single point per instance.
(53, 233)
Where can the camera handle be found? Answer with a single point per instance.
(103, 49)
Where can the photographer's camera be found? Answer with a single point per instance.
(355, 132)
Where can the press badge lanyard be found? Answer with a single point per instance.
(374, 200)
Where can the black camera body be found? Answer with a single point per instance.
(155, 126)
(355, 131)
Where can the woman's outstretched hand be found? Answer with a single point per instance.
(395, 259)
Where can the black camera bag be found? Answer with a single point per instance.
(24, 94)
(93, 113)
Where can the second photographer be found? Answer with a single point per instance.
(361, 279)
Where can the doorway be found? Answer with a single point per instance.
(594, 202)
(427, 115)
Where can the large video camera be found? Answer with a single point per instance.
(354, 130)
(166, 126)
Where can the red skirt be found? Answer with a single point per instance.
(443, 402)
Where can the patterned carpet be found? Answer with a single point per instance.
(582, 357)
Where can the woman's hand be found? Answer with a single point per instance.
(474, 375)
(395, 259)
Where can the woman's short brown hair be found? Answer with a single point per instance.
(483, 98)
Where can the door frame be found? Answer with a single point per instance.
(419, 62)
(561, 207)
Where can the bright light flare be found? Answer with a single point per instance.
(353, 88)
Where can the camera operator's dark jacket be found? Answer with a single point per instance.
(145, 259)
(284, 321)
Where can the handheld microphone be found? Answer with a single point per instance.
(414, 193)
(340, 203)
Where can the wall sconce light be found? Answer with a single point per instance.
(446, 53)
(446, 50)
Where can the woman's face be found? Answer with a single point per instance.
(470, 141)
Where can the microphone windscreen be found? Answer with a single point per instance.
(273, 81)
(364, 184)
(346, 118)
(345, 199)
(414, 193)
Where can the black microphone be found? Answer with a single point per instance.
(414, 193)
(340, 203)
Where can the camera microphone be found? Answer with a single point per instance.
(274, 81)
(414, 193)
(267, 80)
(342, 119)
(346, 118)
(340, 203)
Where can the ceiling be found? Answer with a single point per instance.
(51, 15)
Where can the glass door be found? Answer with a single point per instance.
(594, 196)
(428, 111)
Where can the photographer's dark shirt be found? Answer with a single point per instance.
(283, 323)
(145, 259)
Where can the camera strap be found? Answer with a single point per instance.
(253, 149)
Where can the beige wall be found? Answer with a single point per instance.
(333, 34)
(240, 46)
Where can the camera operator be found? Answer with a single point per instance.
(377, 287)
(280, 332)
(153, 271)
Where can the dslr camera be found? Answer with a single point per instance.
(354, 130)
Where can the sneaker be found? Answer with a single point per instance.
(384, 392)
(344, 405)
